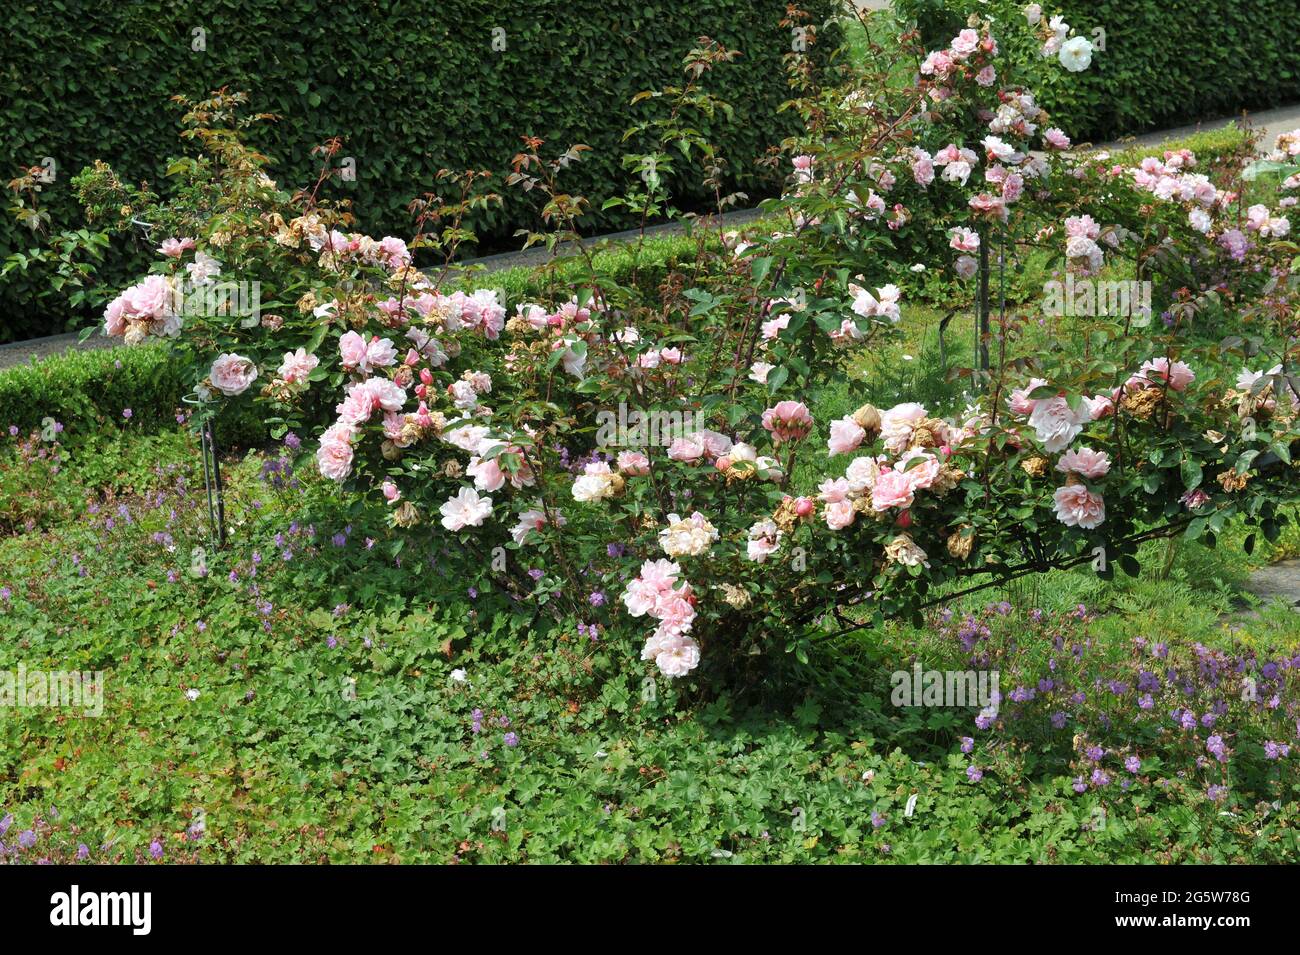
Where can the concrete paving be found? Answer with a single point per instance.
(1280, 581)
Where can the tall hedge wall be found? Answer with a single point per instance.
(412, 85)
(1166, 62)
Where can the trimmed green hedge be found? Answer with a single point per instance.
(411, 87)
(1212, 147)
(1166, 61)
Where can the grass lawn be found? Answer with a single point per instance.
(295, 696)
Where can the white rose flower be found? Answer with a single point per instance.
(1076, 54)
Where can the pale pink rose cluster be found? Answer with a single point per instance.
(687, 537)
(963, 239)
(534, 519)
(702, 445)
(359, 354)
(1082, 252)
(883, 485)
(337, 249)
(763, 541)
(175, 248)
(334, 456)
(787, 421)
(297, 366)
(1055, 422)
(363, 398)
(494, 468)
(657, 357)
(1084, 462)
(803, 168)
(1171, 182)
(566, 316)
(1268, 226)
(479, 311)
(957, 163)
(1160, 372)
(150, 307)
(1076, 506)
(884, 305)
(945, 66)
(654, 591)
(232, 374)
(465, 509)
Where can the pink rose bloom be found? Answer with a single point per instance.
(633, 463)
(840, 515)
(487, 474)
(938, 64)
(297, 365)
(1178, 375)
(674, 611)
(1012, 187)
(892, 489)
(1085, 462)
(334, 456)
(1076, 506)
(805, 506)
(466, 509)
(773, 328)
(1085, 226)
(356, 407)
(675, 656)
(834, 490)
(686, 449)
(380, 353)
(897, 423)
(715, 445)
(352, 348)
(151, 298)
(787, 421)
(922, 168)
(922, 474)
(391, 493)
(987, 76)
(949, 153)
(965, 266)
(1056, 423)
(963, 239)
(232, 374)
(385, 394)
(846, 435)
(654, 584)
(1019, 401)
(989, 205)
(394, 252)
(965, 43)
(1099, 406)
(175, 248)
(114, 320)
(1056, 139)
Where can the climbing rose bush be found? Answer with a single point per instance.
(737, 508)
